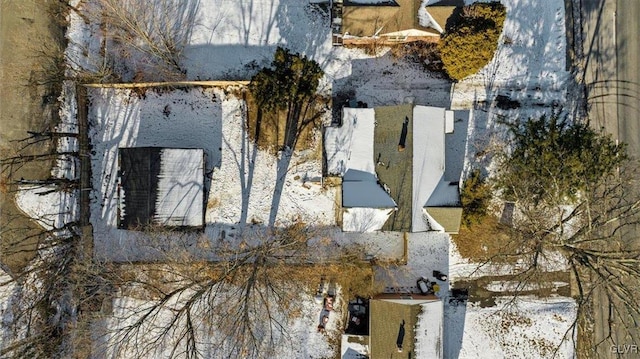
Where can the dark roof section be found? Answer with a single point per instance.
(138, 171)
(385, 322)
(142, 199)
(395, 162)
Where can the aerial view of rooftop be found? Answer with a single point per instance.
(320, 179)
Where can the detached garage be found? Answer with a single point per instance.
(160, 187)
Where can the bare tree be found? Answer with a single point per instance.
(577, 206)
(238, 304)
(145, 40)
(41, 304)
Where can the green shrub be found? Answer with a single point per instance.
(471, 40)
(475, 198)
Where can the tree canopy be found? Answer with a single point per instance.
(554, 158)
(286, 99)
(578, 206)
(292, 78)
(475, 197)
(470, 42)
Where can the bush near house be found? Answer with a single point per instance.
(471, 39)
(419, 52)
(475, 197)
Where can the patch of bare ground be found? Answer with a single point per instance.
(546, 284)
(267, 129)
(487, 242)
(420, 52)
(31, 45)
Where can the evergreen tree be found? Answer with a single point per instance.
(469, 44)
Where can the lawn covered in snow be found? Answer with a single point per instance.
(240, 177)
(232, 40)
(300, 339)
(530, 63)
(526, 328)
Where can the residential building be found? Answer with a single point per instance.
(392, 163)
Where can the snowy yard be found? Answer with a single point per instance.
(232, 40)
(241, 177)
(531, 328)
(530, 63)
(301, 340)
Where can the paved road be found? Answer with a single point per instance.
(628, 73)
(611, 51)
(612, 68)
(599, 62)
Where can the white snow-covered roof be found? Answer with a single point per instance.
(365, 194)
(365, 219)
(409, 32)
(180, 187)
(354, 346)
(446, 194)
(428, 159)
(350, 154)
(425, 19)
(350, 146)
(163, 186)
(349, 150)
(429, 330)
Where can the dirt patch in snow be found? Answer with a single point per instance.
(24, 106)
(267, 129)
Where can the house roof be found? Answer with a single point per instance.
(350, 146)
(160, 186)
(365, 219)
(365, 193)
(440, 14)
(354, 346)
(394, 170)
(349, 150)
(401, 17)
(423, 320)
(401, 148)
(430, 330)
(448, 218)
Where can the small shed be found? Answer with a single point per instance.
(160, 186)
(406, 326)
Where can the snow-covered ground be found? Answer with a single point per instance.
(530, 63)
(528, 328)
(426, 252)
(241, 177)
(52, 208)
(301, 338)
(231, 40)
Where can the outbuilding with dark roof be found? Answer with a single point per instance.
(160, 186)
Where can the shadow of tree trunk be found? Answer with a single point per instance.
(281, 175)
(296, 123)
(246, 182)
